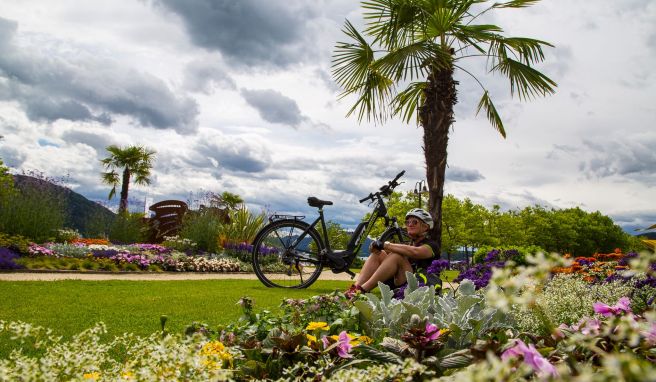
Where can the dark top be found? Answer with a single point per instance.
(424, 263)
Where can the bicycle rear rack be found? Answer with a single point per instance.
(275, 217)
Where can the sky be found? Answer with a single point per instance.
(238, 96)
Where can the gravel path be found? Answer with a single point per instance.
(163, 276)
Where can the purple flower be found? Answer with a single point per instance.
(437, 266)
(623, 305)
(7, 259)
(432, 332)
(531, 357)
(343, 344)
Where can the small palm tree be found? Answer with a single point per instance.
(416, 45)
(135, 161)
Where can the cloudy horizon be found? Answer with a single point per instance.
(238, 96)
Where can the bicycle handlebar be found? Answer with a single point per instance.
(385, 190)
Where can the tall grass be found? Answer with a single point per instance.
(243, 226)
(128, 228)
(35, 212)
(202, 227)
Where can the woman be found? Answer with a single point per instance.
(388, 262)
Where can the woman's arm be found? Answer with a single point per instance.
(421, 252)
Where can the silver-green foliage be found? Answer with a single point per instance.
(464, 312)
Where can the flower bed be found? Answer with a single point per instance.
(97, 255)
(466, 334)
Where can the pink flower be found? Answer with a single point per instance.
(623, 305)
(343, 344)
(650, 335)
(531, 357)
(432, 332)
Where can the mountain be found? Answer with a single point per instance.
(647, 235)
(87, 217)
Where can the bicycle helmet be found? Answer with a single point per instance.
(421, 215)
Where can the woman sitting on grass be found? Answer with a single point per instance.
(388, 262)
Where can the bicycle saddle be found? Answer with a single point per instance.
(316, 202)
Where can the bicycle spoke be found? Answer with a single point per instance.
(281, 259)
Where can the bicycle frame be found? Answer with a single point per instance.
(364, 228)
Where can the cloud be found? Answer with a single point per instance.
(205, 75)
(232, 153)
(248, 32)
(84, 86)
(274, 107)
(99, 140)
(458, 174)
(634, 159)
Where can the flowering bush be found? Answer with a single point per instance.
(8, 259)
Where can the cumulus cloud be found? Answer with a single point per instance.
(633, 159)
(205, 75)
(248, 32)
(233, 153)
(274, 107)
(82, 86)
(458, 174)
(99, 140)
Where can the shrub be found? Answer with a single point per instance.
(504, 253)
(17, 243)
(128, 228)
(243, 226)
(566, 299)
(203, 229)
(66, 235)
(8, 259)
(35, 212)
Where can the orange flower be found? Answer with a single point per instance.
(589, 279)
(92, 241)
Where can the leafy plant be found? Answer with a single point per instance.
(202, 228)
(128, 228)
(464, 312)
(35, 212)
(243, 226)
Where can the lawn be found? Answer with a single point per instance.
(71, 306)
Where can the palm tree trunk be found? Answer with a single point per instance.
(123, 205)
(436, 117)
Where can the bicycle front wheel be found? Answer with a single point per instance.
(399, 236)
(281, 260)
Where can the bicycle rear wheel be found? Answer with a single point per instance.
(277, 262)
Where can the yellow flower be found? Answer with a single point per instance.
(311, 339)
(127, 375)
(92, 376)
(318, 326)
(363, 339)
(214, 349)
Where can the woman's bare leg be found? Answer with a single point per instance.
(370, 265)
(393, 265)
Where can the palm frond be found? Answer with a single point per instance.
(374, 96)
(408, 101)
(406, 61)
(524, 80)
(516, 4)
(392, 23)
(528, 49)
(491, 113)
(351, 61)
(110, 177)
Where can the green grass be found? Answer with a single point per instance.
(70, 306)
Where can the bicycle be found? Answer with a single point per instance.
(290, 253)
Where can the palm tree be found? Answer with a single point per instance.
(417, 45)
(135, 161)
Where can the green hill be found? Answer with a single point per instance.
(87, 217)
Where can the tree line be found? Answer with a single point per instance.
(467, 226)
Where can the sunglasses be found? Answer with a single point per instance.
(412, 222)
